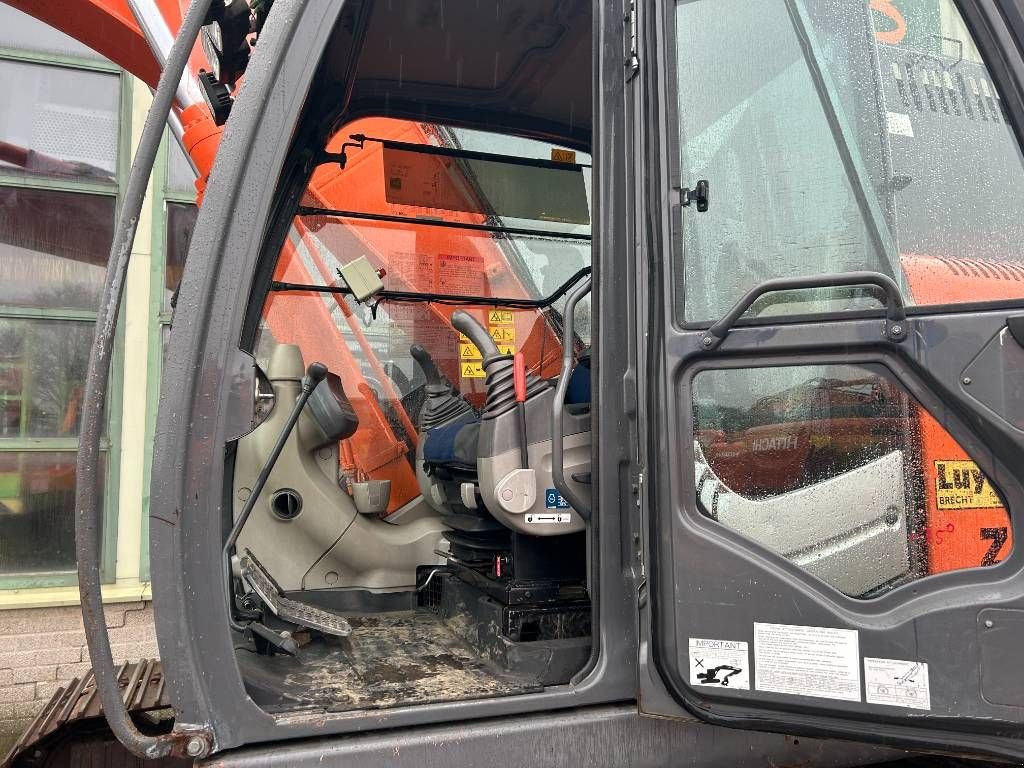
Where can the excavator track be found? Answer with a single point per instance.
(71, 730)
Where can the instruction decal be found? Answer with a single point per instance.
(503, 334)
(548, 519)
(499, 317)
(807, 661)
(471, 369)
(468, 350)
(460, 274)
(896, 683)
(959, 484)
(554, 500)
(722, 663)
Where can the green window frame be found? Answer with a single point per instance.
(110, 445)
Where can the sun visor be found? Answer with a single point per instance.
(491, 185)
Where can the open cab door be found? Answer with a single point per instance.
(835, 387)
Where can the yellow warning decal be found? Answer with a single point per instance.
(961, 485)
(506, 349)
(499, 317)
(464, 339)
(562, 155)
(503, 334)
(471, 370)
(469, 352)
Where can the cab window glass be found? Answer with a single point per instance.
(451, 232)
(840, 470)
(831, 134)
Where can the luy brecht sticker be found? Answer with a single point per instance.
(721, 663)
(961, 485)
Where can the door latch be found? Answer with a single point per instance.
(699, 195)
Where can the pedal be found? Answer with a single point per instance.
(263, 584)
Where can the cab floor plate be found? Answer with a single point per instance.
(389, 660)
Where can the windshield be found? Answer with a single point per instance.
(458, 212)
(448, 226)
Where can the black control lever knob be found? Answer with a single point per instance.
(426, 364)
(316, 372)
(464, 322)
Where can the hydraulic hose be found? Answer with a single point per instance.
(87, 540)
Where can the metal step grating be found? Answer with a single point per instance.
(287, 609)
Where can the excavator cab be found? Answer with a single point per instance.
(420, 522)
(628, 379)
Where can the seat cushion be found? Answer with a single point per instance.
(454, 444)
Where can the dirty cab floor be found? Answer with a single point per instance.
(389, 660)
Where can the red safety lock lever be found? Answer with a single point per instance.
(519, 381)
(519, 376)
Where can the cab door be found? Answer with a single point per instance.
(834, 452)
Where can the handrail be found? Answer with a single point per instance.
(337, 213)
(558, 403)
(456, 299)
(895, 311)
(195, 742)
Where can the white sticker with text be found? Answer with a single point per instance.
(722, 663)
(807, 661)
(897, 683)
(899, 124)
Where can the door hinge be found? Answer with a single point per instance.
(633, 53)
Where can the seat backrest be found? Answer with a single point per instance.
(578, 392)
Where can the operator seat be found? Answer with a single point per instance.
(446, 452)
(469, 465)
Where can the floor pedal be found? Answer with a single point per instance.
(284, 607)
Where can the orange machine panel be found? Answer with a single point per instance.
(967, 525)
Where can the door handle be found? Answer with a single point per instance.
(895, 311)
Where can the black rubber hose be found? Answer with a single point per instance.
(87, 538)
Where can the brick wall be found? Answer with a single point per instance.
(41, 648)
